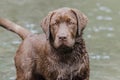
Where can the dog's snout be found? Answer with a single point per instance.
(62, 37)
(63, 32)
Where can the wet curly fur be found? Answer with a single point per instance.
(52, 56)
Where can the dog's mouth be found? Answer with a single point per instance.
(63, 45)
(64, 49)
(63, 42)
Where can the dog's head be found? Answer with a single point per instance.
(62, 26)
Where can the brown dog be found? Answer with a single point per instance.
(59, 54)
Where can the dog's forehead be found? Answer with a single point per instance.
(64, 12)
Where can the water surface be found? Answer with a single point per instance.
(101, 34)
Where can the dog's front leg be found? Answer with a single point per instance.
(24, 75)
(24, 68)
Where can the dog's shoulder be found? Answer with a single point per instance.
(34, 43)
(38, 42)
(36, 38)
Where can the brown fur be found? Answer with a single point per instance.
(59, 54)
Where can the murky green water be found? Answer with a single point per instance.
(102, 33)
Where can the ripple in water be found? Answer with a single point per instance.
(12, 78)
(110, 35)
(31, 27)
(16, 42)
(98, 57)
(89, 36)
(102, 28)
(103, 8)
(107, 18)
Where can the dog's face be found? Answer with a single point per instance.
(63, 26)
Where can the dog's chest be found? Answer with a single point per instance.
(63, 71)
(67, 72)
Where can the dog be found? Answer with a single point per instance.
(59, 54)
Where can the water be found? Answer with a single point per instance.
(101, 34)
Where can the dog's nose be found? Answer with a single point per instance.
(62, 37)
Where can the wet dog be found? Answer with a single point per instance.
(59, 54)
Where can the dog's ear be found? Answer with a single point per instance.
(45, 24)
(81, 20)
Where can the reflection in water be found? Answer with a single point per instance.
(101, 33)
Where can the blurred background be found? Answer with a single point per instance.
(102, 34)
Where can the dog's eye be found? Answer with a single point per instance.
(56, 22)
(71, 23)
(53, 24)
